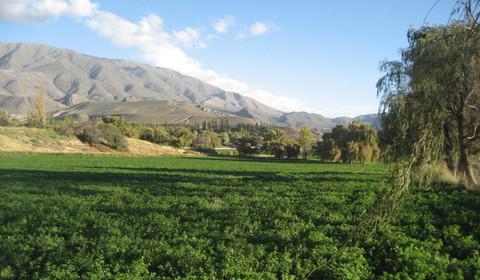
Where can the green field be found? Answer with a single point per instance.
(92, 217)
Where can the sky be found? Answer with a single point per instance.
(316, 56)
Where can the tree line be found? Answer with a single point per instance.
(355, 143)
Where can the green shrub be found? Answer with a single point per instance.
(206, 150)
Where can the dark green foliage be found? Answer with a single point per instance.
(84, 217)
(180, 137)
(292, 148)
(65, 127)
(98, 132)
(355, 143)
(4, 118)
(87, 132)
(113, 137)
(277, 143)
(147, 134)
(433, 236)
(129, 129)
(205, 149)
(246, 146)
(274, 142)
(206, 139)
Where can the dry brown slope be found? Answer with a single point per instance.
(35, 140)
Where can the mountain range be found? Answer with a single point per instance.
(86, 86)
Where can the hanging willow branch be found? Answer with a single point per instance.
(401, 179)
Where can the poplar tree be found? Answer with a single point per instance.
(40, 115)
(305, 140)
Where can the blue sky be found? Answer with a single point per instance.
(316, 56)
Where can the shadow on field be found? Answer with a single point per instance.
(320, 176)
(263, 159)
(160, 181)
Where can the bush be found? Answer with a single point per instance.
(292, 148)
(246, 146)
(206, 150)
(114, 138)
(97, 132)
(87, 132)
(4, 118)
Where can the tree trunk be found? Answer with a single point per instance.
(464, 167)
(449, 154)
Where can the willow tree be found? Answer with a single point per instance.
(430, 107)
(431, 98)
(355, 143)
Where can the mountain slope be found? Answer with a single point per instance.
(231, 102)
(314, 121)
(159, 111)
(69, 78)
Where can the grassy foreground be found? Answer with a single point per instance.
(90, 217)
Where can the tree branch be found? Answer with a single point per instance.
(475, 135)
(471, 138)
(472, 107)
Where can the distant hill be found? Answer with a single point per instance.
(321, 123)
(89, 86)
(314, 121)
(371, 119)
(159, 111)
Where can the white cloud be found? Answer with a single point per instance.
(156, 45)
(160, 49)
(223, 25)
(201, 45)
(258, 28)
(41, 11)
(282, 103)
(189, 37)
(82, 8)
(211, 37)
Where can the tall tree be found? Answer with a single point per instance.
(431, 99)
(274, 141)
(40, 115)
(305, 140)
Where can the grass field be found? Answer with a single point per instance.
(92, 217)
